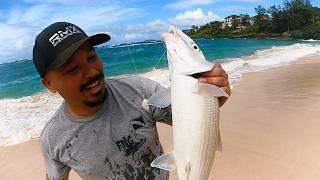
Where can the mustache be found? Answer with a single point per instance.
(91, 80)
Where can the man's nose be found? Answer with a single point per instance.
(89, 71)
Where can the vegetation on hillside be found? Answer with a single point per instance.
(294, 19)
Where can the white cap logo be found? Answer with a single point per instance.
(59, 36)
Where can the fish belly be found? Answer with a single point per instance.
(195, 129)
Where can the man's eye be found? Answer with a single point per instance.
(72, 70)
(92, 57)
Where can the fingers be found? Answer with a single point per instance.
(222, 100)
(218, 77)
(227, 90)
(216, 71)
(218, 81)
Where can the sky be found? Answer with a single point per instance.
(125, 21)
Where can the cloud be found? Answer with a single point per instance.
(232, 8)
(137, 32)
(17, 42)
(34, 16)
(66, 2)
(185, 4)
(20, 26)
(250, 1)
(88, 18)
(196, 17)
(154, 29)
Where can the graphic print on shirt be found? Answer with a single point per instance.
(69, 148)
(131, 143)
(143, 170)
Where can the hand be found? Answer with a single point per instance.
(218, 77)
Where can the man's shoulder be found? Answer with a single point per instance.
(128, 79)
(141, 84)
(51, 126)
(134, 80)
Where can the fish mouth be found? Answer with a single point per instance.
(196, 75)
(172, 32)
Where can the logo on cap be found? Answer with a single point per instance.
(59, 36)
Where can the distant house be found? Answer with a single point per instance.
(251, 21)
(238, 21)
(317, 17)
(228, 21)
(187, 31)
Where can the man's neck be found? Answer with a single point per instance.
(83, 111)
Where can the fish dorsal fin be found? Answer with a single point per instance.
(165, 161)
(210, 90)
(161, 99)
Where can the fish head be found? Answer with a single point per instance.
(184, 55)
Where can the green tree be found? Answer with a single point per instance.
(308, 3)
(245, 19)
(215, 26)
(194, 28)
(279, 21)
(261, 19)
(235, 22)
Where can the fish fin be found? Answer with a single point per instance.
(160, 99)
(210, 90)
(165, 161)
(187, 170)
(145, 105)
(219, 148)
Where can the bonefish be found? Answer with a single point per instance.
(195, 110)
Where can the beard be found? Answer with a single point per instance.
(100, 98)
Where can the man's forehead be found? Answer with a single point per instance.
(85, 47)
(66, 64)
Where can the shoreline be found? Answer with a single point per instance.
(270, 125)
(274, 134)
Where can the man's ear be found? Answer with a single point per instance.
(47, 83)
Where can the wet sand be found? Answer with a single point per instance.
(270, 128)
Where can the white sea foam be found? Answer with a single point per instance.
(24, 118)
(269, 58)
(311, 40)
(159, 75)
(262, 59)
(134, 44)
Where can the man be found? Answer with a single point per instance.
(101, 130)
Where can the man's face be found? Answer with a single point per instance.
(80, 81)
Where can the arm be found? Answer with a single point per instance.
(217, 76)
(148, 88)
(54, 168)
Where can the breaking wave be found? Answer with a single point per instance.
(23, 118)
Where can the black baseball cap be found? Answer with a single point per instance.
(58, 42)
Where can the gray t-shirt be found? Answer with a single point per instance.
(118, 142)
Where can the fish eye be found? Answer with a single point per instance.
(195, 47)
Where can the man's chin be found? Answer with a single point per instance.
(98, 99)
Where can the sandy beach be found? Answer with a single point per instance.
(270, 128)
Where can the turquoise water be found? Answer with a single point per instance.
(19, 79)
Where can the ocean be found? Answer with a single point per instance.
(25, 105)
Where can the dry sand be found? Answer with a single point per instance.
(270, 129)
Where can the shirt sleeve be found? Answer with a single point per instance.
(55, 169)
(148, 88)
